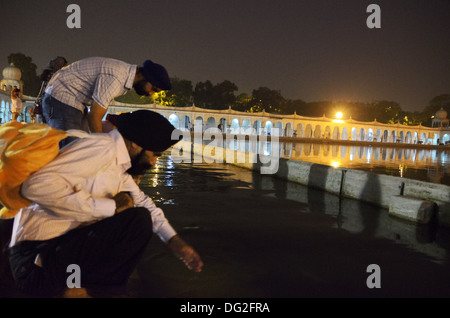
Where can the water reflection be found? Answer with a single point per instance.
(359, 217)
(429, 165)
(350, 215)
(421, 164)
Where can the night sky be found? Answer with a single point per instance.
(307, 49)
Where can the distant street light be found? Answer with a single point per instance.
(338, 120)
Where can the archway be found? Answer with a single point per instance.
(362, 135)
(299, 131)
(246, 127)
(354, 135)
(318, 132)
(336, 133)
(279, 126)
(423, 138)
(344, 135)
(211, 123)
(173, 119)
(186, 123)
(223, 125)
(234, 128)
(199, 124)
(408, 138)
(327, 132)
(288, 131)
(385, 136)
(393, 136)
(257, 127)
(379, 135)
(308, 131)
(268, 128)
(369, 135)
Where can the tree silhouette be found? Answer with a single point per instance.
(31, 82)
(436, 103)
(267, 99)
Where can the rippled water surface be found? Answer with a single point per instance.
(264, 237)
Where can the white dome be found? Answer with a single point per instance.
(441, 114)
(12, 72)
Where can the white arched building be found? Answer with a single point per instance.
(232, 121)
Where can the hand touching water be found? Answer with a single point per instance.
(185, 253)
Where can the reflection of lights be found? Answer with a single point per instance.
(368, 155)
(169, 163)
(266, 149)
(335, 164)
(402, 169)
(155, 175)
(155, 180)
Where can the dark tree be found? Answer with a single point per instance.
(290, 107)
(219, 96)
(267, 99)
(203, 95)
(436, 103)
(31, 82)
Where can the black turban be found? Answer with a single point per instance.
(148, 129)
(157, 75)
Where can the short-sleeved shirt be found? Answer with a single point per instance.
(96, 79)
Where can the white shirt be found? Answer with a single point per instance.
(94, 78)
(16, 105)
(78, 187)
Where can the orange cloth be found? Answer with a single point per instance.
(24, 149)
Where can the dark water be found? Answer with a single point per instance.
(264, 237)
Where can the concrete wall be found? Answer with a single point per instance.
(365, 186)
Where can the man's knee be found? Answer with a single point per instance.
(140, 221)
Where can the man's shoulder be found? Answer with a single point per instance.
(93, 142)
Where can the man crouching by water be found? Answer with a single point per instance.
(88, 211)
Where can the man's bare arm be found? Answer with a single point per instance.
(95, 117)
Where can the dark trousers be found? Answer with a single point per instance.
(106, 252)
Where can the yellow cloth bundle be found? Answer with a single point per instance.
(24, 149)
